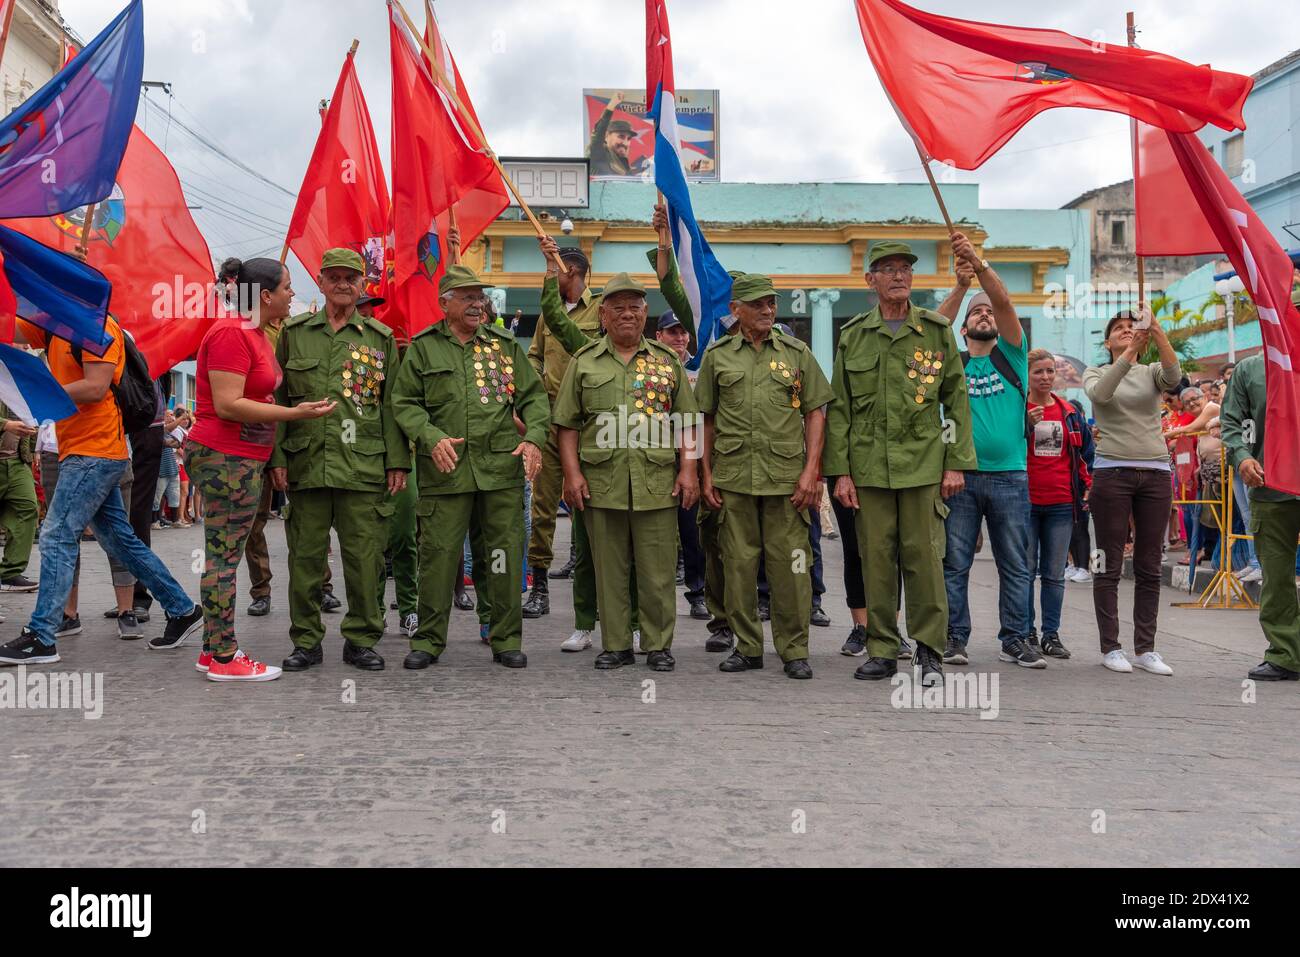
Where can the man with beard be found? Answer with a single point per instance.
(997, 369)
(898, 440)
(611, 144)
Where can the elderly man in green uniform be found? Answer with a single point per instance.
(763, 397)
(898, 442)
(462, 383)
(342, 470)
(624, 409)
(18, 504)
(1273, 516)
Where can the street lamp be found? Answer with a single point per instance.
(1228, 289)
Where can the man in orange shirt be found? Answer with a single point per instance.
(92, 457)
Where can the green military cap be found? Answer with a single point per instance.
(460, 277)
(880, 251)
(622, 283)
(751, 286)
(619, 126)
(342, 259)
(735, 274)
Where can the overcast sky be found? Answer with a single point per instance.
(799, 99)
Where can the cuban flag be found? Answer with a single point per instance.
(29, 390)
(708, 287)
(61, 148)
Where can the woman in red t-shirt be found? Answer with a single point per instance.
(228, 449)
(1058, 480)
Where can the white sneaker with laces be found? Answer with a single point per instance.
(1153, 663)
(636, 643)
(578, 641)
(1117, 661)
(1251, 573)
(1070, 571)
(1082, 575)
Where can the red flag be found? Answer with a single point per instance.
(344, 196)
(438, 162)
(963, 89)
(144, 240)
(1212, 206)
(1169, 218)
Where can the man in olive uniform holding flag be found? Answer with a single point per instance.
(342, 470)
(462, 384)
(898, 442)
(623, 409)
(763, 396)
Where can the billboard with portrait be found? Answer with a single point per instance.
(620, 137)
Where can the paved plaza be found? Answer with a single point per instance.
(468, 763)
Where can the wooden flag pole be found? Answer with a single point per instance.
(453, 249)
(1133, 133)
(83, 244)
(449, 89)
(929, 174)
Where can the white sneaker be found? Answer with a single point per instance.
(636, 643)
(1251, 573)
(578, 641)
(1153, 663)
(1117, 661)
(410, 625)
(1081, 575)
(1070, 572)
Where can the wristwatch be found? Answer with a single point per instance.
(984, 265)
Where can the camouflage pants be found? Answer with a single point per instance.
(232, 489)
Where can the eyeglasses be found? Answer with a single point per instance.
(470, 297)
(892, 271)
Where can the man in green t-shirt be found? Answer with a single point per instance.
(997, 368)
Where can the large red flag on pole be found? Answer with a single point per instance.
(344, 196)
(963, 89)
(144, 240)
(1211, 216)
(438, 161)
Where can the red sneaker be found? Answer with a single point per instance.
(242, 668)
(467, 581)
(204, 662)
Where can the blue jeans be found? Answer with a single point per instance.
(1050, 530)
(1002, 498)
(88, 494)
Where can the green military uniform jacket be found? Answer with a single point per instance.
(354, 446)
(469, 391)
(886, 426)
(26, 445)
(1245, 401)
(560, 333)
(759, 398)
(628, 417)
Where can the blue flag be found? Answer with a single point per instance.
(57, 292)
(61, 148)
(29, 390)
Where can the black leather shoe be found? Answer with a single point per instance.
(764, 609)
(819, 617)
(661, 661)
(720, 640)
(1267, 671)
(874, 669)
(367, 659)
(738, 662)
(931, 663)
(609, 660)
(700, 611)
(539, 599)
(419, 660)
(511, 659)
(303, 658)
(260, 607)
(463, 601)
(798, 669)
(328, 603)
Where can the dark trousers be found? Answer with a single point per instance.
(688, 531)
(1081, 542)
(146, 460)
(1118, 494)
(854, 591)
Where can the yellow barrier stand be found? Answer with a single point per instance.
(1224, 592)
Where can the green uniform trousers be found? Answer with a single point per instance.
(586, 608)
(634, 552)
(256, 553)
(714, 577)
(903, 528)
(1276, 527)
(361, 519)
(754, 526)
(546, 499)
(404, 551)
(18, 514)
(444, 522)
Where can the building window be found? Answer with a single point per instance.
(1234, 154)
(1117, 233)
